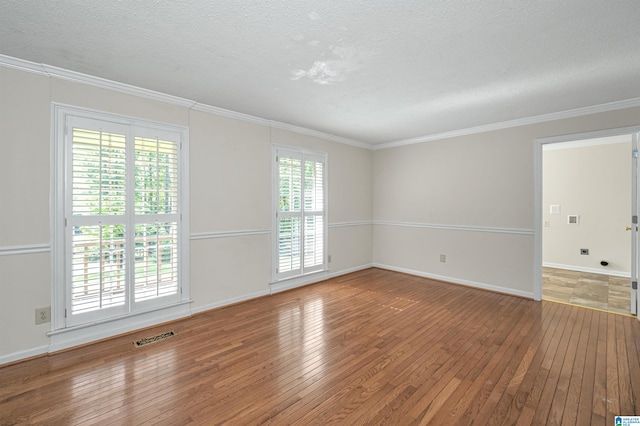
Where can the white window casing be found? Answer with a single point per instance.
(300, 212)
(120, 217)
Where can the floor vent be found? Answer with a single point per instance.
(148, 340)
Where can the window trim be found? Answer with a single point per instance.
(59, 170)
(280, 277)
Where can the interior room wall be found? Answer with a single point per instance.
(471, 199)
(593, 182)
(230, 200)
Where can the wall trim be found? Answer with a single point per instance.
(25, 249)
(601, 271)
(103, 83)
(22, 65)
(277, 125)
(64, 74)
(228, 234)
(346, 224)
(474, 284)
(23, 355)
(572, 113)
(52, 71)
(89, 333)
(231, 301)
(285, 285)
(494, 230)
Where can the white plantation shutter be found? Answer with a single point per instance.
(300, 227)
(96, 225)
(314, 213)
(98, 180)
(289, 213)
(156, 217)
(98, 268)
(122, 218)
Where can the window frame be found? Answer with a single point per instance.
(318, 156)
(62, 143)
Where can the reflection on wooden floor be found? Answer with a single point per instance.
(370, 348)
(585, 289)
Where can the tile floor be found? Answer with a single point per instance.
(584, 289)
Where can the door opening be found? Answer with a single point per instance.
(585, 189)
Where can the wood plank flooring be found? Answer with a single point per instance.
(372, 347)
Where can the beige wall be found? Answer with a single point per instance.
(470, 198)
(593, 182)
(229, 177)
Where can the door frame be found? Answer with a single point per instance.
(537, 169)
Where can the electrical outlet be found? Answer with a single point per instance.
(329, 258)
(43, 315)
(443, 258)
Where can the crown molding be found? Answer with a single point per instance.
(317, 134)
(52, 71)
(22, 65)
(572, 113)
(64, 74)
(278, 125)
(127, 89)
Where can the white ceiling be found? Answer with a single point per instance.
(373, 71)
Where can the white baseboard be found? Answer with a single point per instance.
(231, 301)
(68, 339)
(349, 270)
(601, 271)
(474, 284)
(17, 356)
(64, 339)
(313, 278)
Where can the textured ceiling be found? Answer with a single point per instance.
(373, 71)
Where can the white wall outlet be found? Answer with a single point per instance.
(443, 258)
(43, 315)
(329, 259)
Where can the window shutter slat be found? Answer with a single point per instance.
(156, 184)
(98, 173)
(300, 222)
(122, 192)
(156, 260)
(156, 176)
(97, 268)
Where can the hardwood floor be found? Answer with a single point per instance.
(372, 347)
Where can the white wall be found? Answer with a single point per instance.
(230, 200)
(470, 198)
(593, 182)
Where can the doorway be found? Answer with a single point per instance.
(583, 201)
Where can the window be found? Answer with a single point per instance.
(119, 199)
(300, 226)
